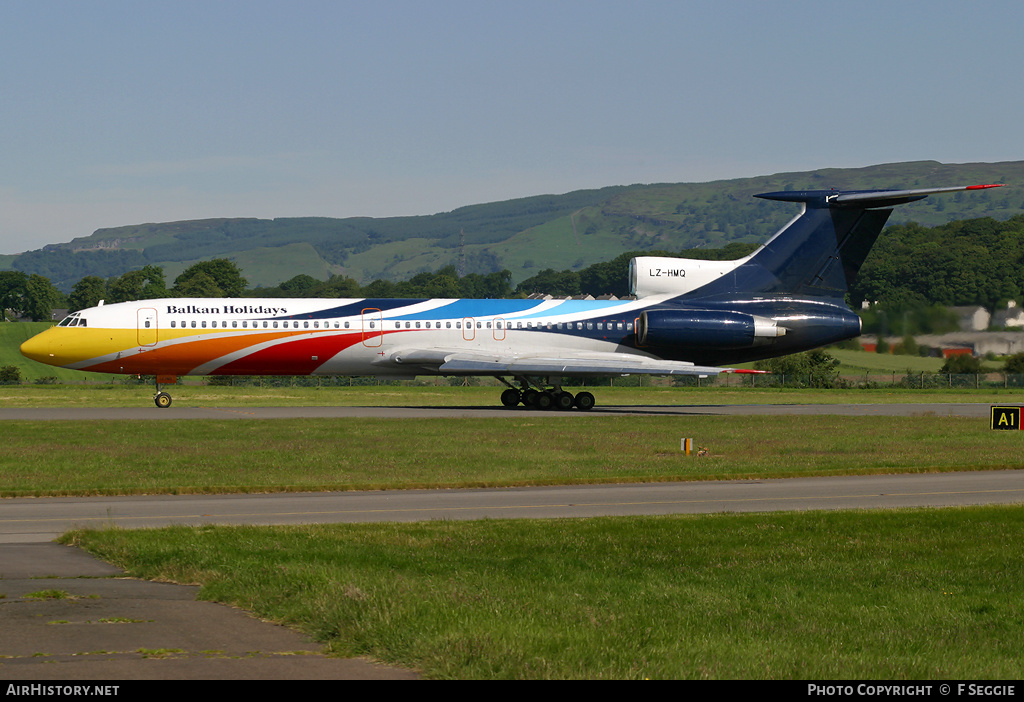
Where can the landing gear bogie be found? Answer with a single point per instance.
(537, 397)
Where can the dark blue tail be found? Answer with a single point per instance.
(819, 253)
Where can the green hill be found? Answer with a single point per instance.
(526, 235)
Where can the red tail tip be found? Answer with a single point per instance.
(982, 187)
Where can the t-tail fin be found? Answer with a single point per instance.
(821, 250)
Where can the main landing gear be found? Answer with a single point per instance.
(540, 398)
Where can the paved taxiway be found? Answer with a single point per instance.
(42, 519)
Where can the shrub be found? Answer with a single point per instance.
(10, 374)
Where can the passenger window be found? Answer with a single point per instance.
(234, 325)
(193, 324)
(618, 326)
(417, 325)
(346, 325)
(447, 325)
(590, 325)
(172, 324)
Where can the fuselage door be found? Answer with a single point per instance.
(373, 327)
(147, 326)
(468, 329)
(499, 329)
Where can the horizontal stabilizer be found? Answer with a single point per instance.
(865, 199)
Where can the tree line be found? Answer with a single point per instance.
(35, 297)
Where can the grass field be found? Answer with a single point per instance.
(915, 594)
(857, 362)
(240, 455)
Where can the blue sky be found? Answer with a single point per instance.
(118, 113)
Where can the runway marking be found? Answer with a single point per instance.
(413, 510)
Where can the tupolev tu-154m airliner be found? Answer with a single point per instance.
(689, 317)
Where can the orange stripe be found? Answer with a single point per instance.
(181, 358)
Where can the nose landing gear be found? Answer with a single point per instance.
(163, 399)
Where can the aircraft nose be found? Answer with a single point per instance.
(37, 348)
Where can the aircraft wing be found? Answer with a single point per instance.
(575, 364)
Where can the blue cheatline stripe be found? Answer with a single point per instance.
(515, 309)
(567, 307)
(353, 309)
(457, 309)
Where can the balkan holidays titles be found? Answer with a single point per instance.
(227, 309)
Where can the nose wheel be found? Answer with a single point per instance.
(163, 399)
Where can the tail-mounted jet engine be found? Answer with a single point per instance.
(705, 328)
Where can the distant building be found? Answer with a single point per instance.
(972, 318)
(1012, 316)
